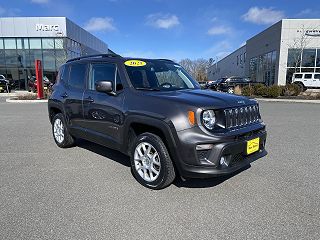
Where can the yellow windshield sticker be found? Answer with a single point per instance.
(135, 63)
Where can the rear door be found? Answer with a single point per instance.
(103, 113)
(307, 80)
(316, 80)
(73, 93)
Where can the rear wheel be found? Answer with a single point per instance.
(60, 132)
(151, 163)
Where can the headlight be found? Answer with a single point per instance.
(208, 119)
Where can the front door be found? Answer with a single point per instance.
(103, 113)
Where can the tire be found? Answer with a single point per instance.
(145, 170)
(302, 87)
(61, 136)
(230, 90)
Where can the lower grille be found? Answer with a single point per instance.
(203, 155)
(236, 117)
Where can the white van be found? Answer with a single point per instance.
(307, 80)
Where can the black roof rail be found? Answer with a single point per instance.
(94, 56)
(165, 59)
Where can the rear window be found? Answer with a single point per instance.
(298, 75)
(308, 76)
(317, 76)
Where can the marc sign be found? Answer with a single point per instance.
(47, 27)
(311, 32)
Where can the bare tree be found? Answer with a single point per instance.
(298, 45)
(196, 68)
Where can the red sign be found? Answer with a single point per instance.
(39, 79)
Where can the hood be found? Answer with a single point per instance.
(203, 98)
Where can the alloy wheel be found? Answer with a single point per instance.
(147, 162)
(58, 130)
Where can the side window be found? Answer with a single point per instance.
(298, 76)
(77, 75)
(105, 72)
(317, 76)
(308, 76)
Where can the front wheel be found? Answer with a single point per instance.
(302, 87)
(151, 163)
(60, 132)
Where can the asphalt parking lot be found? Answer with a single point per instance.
(88, 192)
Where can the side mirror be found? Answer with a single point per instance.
(105, 86)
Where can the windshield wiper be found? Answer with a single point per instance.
(147, 89)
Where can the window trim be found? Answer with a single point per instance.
(114, 83)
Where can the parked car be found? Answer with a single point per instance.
(4, 84)
(203, 84)
(228, 84)
(154, 112)
(306, 80)
(213, 84)
(32, 84)
(2, 77)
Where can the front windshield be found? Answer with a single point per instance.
(159, 75)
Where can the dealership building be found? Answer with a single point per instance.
(52, 40)
(272, 56)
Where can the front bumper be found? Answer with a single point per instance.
(232, 148)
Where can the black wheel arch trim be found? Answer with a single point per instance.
(164, 125)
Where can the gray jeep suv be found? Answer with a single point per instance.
(153, 111)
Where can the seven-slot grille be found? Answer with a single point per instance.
(240, 116)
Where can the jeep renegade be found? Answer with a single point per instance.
(153, 111)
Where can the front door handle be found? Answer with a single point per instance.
(89, 99)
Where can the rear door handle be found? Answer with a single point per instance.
(64, 95)
(89, 99)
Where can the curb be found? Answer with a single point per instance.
(8, 100)
(288, 100)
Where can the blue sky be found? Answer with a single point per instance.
(173, 29)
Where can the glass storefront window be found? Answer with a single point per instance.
(294, 58)
(61, 58)
(11, 57)
(308, 57)
(26, 43)
(35, 54)
(10, 43)
(47, 43)
(318, 58)
(49, 60)
(58, 42)
(1, 43)
(35, 43)
(19, 43)
(2, 59)
(23, 58)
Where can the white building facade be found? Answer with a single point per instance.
(53, 40)
(272, 56)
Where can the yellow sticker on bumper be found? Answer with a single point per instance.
(253, 145)
(135, 63)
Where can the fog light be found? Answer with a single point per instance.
(223, 161)
(204, 147)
